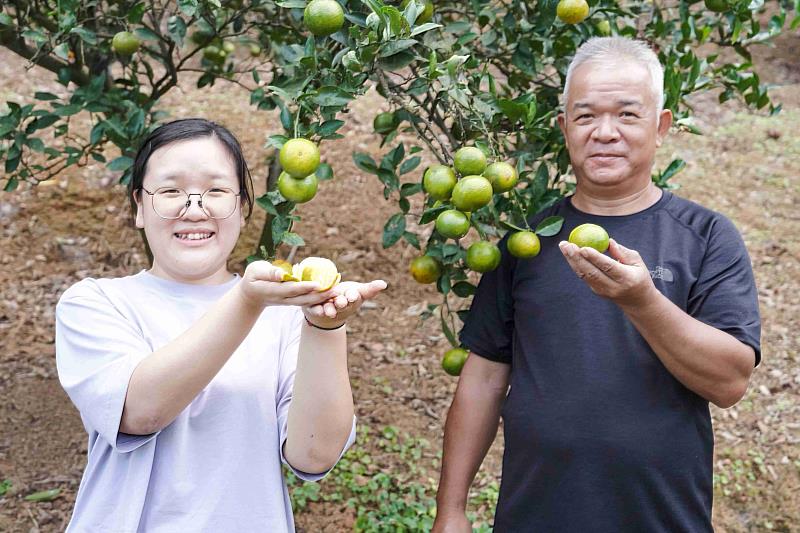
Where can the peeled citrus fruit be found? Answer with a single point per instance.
(590, 236)
(286, 266)
(318, 269)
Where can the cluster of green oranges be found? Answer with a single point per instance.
(299, 158)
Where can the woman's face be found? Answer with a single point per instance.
(195, 247)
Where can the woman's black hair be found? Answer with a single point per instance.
(181, 130)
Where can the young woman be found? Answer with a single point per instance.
(195, 384)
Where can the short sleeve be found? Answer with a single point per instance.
(489, 328)
(724, 295)
(97, 350)
(288, 367)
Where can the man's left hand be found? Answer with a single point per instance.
(622, 278)
(348, 298)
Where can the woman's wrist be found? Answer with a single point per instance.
(331, 327)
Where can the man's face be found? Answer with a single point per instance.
(611, 126)
(193, 248)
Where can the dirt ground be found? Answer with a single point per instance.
(746, 166)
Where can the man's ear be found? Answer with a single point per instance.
(139, 218)
(562, 123)
(664, 124)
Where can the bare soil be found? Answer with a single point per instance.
(746, 166)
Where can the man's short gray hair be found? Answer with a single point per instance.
(615, 50)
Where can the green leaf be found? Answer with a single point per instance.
(86, 35)
(120, 163)
(145, 34)
(410, 164)
(393, 229)
(365, 163)
(43, 496)
(424, 27)
(324, 172)
(136, 13)
(292, 4)
(188, 7)
(44, 96)
(62, 51)
(513, 110)
(431, 214)
(293, 239)
(4, 486)
(332, 96)
(464, 289)
(67, 110)
(176, 27)
(277, 141)
(394, 47)
(329, 127)
(11, 186)
(549, 226)
(35, 36)
(265, 203)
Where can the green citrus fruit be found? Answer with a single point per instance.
(590, 236)
(453, 361)
(297, 190)
(438, 181)
(717, 6)
(502, 176)
(572, 11)
(214, 54)
(471, 193)
(603, 27)
(470, 161)
(425, 269)
(524, 244)
(452, 224)
(125, 43)
(385, 122)
(427, 12)
(255, 50)
(323, 17)
(229, 47)
(483, 256)
(299, 157)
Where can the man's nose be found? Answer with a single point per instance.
(606, 130)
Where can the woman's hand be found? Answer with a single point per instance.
(262, 285)
(345, 301)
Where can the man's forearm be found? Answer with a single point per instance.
(469, 432)
(321, 413)
(710, 362)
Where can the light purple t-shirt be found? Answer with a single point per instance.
(217, 466)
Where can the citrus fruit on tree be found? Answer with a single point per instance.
(572, 11)
(214, 54)
(298, 190)
(471, 193)
(318, 269)
(323, 17)
(255, 50)
(590, 236)
(385, 122)
(425, 269)
(502, 176)
(125, 43)
(717, 6)
(524, 244)
(453, 361)
(427, 12)
(228, 47)
(438, 181)
(299, 157)
(470, 161)
(604, 27)
(483, 256)
(452, 224)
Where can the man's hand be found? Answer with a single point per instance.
(347, 298)
(622, 278)
(451, 522)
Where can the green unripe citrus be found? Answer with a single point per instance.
(125, 43)
(470, 161)
(524, 244)
(452, 224)
(590, 236)
(299, 157)
(438, 181)
(483, 256)
(502, 176)
(453, 361)
(298, 190)
(471, 193)
(323, 17)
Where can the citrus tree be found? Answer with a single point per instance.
(472, 84)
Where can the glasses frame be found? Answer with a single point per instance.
(189, 202)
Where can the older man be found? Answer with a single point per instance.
(611, 361)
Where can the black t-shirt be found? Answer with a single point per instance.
(599, 436)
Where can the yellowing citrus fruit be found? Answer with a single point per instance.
(318, 269)
(384, 122)
(299, 157)
(453, 361)
(717, 6)
(590, 236)
(427, 12)
(452, 224)
(425, 269)
(438, 181)
(603, 27)
(483, 256)
(502, 176)
(471, 193)
(524, 244)
(125, 43)
(572, 11)
(298, 190)
(286, 266)
(470, 161)
(323, 17)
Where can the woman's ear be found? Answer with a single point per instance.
(139, 218)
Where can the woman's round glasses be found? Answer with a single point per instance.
(172, 203)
